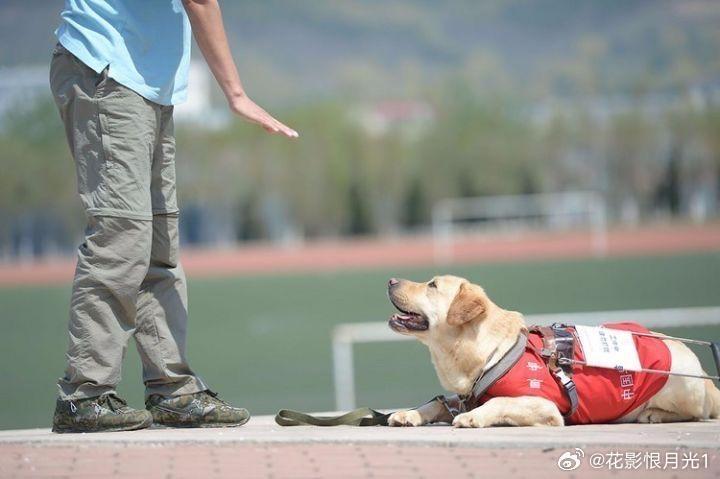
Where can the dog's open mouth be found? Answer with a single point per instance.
(406, 321)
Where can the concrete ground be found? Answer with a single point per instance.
(263, 449)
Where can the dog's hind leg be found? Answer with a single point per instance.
(655, 415)
(681, 398)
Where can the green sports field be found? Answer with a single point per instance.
(265, 342)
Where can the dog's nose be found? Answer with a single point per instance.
(393, 282)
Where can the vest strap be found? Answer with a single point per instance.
(558, 353)
(492, 375)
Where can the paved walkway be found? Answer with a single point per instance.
(262, 449)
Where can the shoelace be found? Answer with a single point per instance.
(113, 402)
(213, 397)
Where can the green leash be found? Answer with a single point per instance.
(363, 416)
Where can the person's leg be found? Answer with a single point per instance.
(175, 395)
(162, 317)
(162, 304)
(102, 310)
(110, 131)
(111, 265)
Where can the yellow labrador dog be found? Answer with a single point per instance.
(467, 334)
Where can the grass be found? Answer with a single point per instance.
(264, 342)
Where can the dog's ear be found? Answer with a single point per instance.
(469, 303)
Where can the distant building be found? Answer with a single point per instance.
(199, 109)
(409, 117)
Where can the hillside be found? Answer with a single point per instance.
(301, 50)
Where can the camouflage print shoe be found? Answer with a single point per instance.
(105, 413)
(202, 409)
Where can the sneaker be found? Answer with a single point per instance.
(106, 413)
(202, 409)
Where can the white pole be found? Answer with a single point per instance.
(442, 232)
(344, 374)
(599, 225)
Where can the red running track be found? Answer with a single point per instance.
(332, 255)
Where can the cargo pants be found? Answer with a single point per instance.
(128, 281)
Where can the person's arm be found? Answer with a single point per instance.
(207, 25)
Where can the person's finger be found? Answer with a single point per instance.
(289, 132)
(270, 124)
(270, 120)
(279, 127)
(263, 122)
(261, 118)
(286, 130)
(266, 119)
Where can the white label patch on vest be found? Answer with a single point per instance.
(609, 348)
(533, 366)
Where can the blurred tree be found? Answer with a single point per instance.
(340, 178)
(415, 208)
(668, 190)
(249, 226)
(39, 210)
(358, 218)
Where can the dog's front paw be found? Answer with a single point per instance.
(468, 419)
(405, 418)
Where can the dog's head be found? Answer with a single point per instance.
(437, 306)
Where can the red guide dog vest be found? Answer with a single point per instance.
(604, 394)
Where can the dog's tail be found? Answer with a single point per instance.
(712, 399)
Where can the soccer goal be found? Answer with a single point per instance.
(546, 211)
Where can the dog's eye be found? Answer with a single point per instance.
(432, 284)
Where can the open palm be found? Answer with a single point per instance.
(251, 111)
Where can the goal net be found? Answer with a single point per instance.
(453, 217)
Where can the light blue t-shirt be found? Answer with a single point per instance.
(145, 43)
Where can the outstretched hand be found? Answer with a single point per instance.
(251, 111)
(207, 26)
